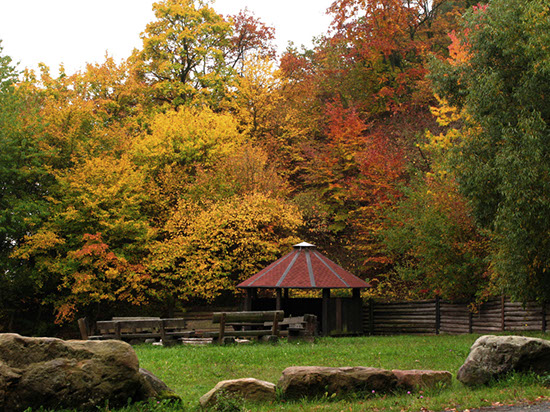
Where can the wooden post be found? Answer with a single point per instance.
(470, 322)
(83, 326)
(371, 316)
(162, 331)
(326, 299)
(279, 295)
(543, 317)
(117, 331)
(285, 293)
(248, 300)
(275, 328)
(339, 323)
(437, 314)
(222, 329)
(502, 314)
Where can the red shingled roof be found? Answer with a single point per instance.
(304, 268)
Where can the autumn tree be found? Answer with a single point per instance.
(256, 98)
(434, 240)
(213, 193)
(87, 122)
(251, 38)
(182, 54)
(190, 52)
(94, 238)
(212, 247)
(352, 112)
(502, 163)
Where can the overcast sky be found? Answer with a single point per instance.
(75, 32)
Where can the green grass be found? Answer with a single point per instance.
(193, 371)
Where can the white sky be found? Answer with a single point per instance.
(76, 32)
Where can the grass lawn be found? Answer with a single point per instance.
(193, 371)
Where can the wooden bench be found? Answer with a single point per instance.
(246, 324)
(140, 328)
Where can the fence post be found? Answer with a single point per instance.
(222, 329)
(371, 316)
(543, 317)
(437, 314)
(502, 313)
(470, 321)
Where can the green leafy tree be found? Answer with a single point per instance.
(24, 183)
(96, 234)
(503, 163)
(435, 241)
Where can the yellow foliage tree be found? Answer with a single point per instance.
(183, 52)
(185, 137)
(257, 94)
(212, 247)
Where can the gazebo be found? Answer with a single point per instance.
(306, 268)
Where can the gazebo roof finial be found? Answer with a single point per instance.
(303, 245)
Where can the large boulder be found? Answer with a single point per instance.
(415, 380)
(492, 356)
(247, 388)
(61, 374)
(314, 381)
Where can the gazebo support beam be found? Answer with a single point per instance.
(326, 299)
(248, 298)
(278, 299)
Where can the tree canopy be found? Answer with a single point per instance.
(409, 143)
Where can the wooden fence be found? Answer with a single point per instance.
(436, 316)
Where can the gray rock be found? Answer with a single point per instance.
(154, 387)
(414, 380)
(492, 356)
(314, 381)
(61, 374)
(270, 338)
(247, 388)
